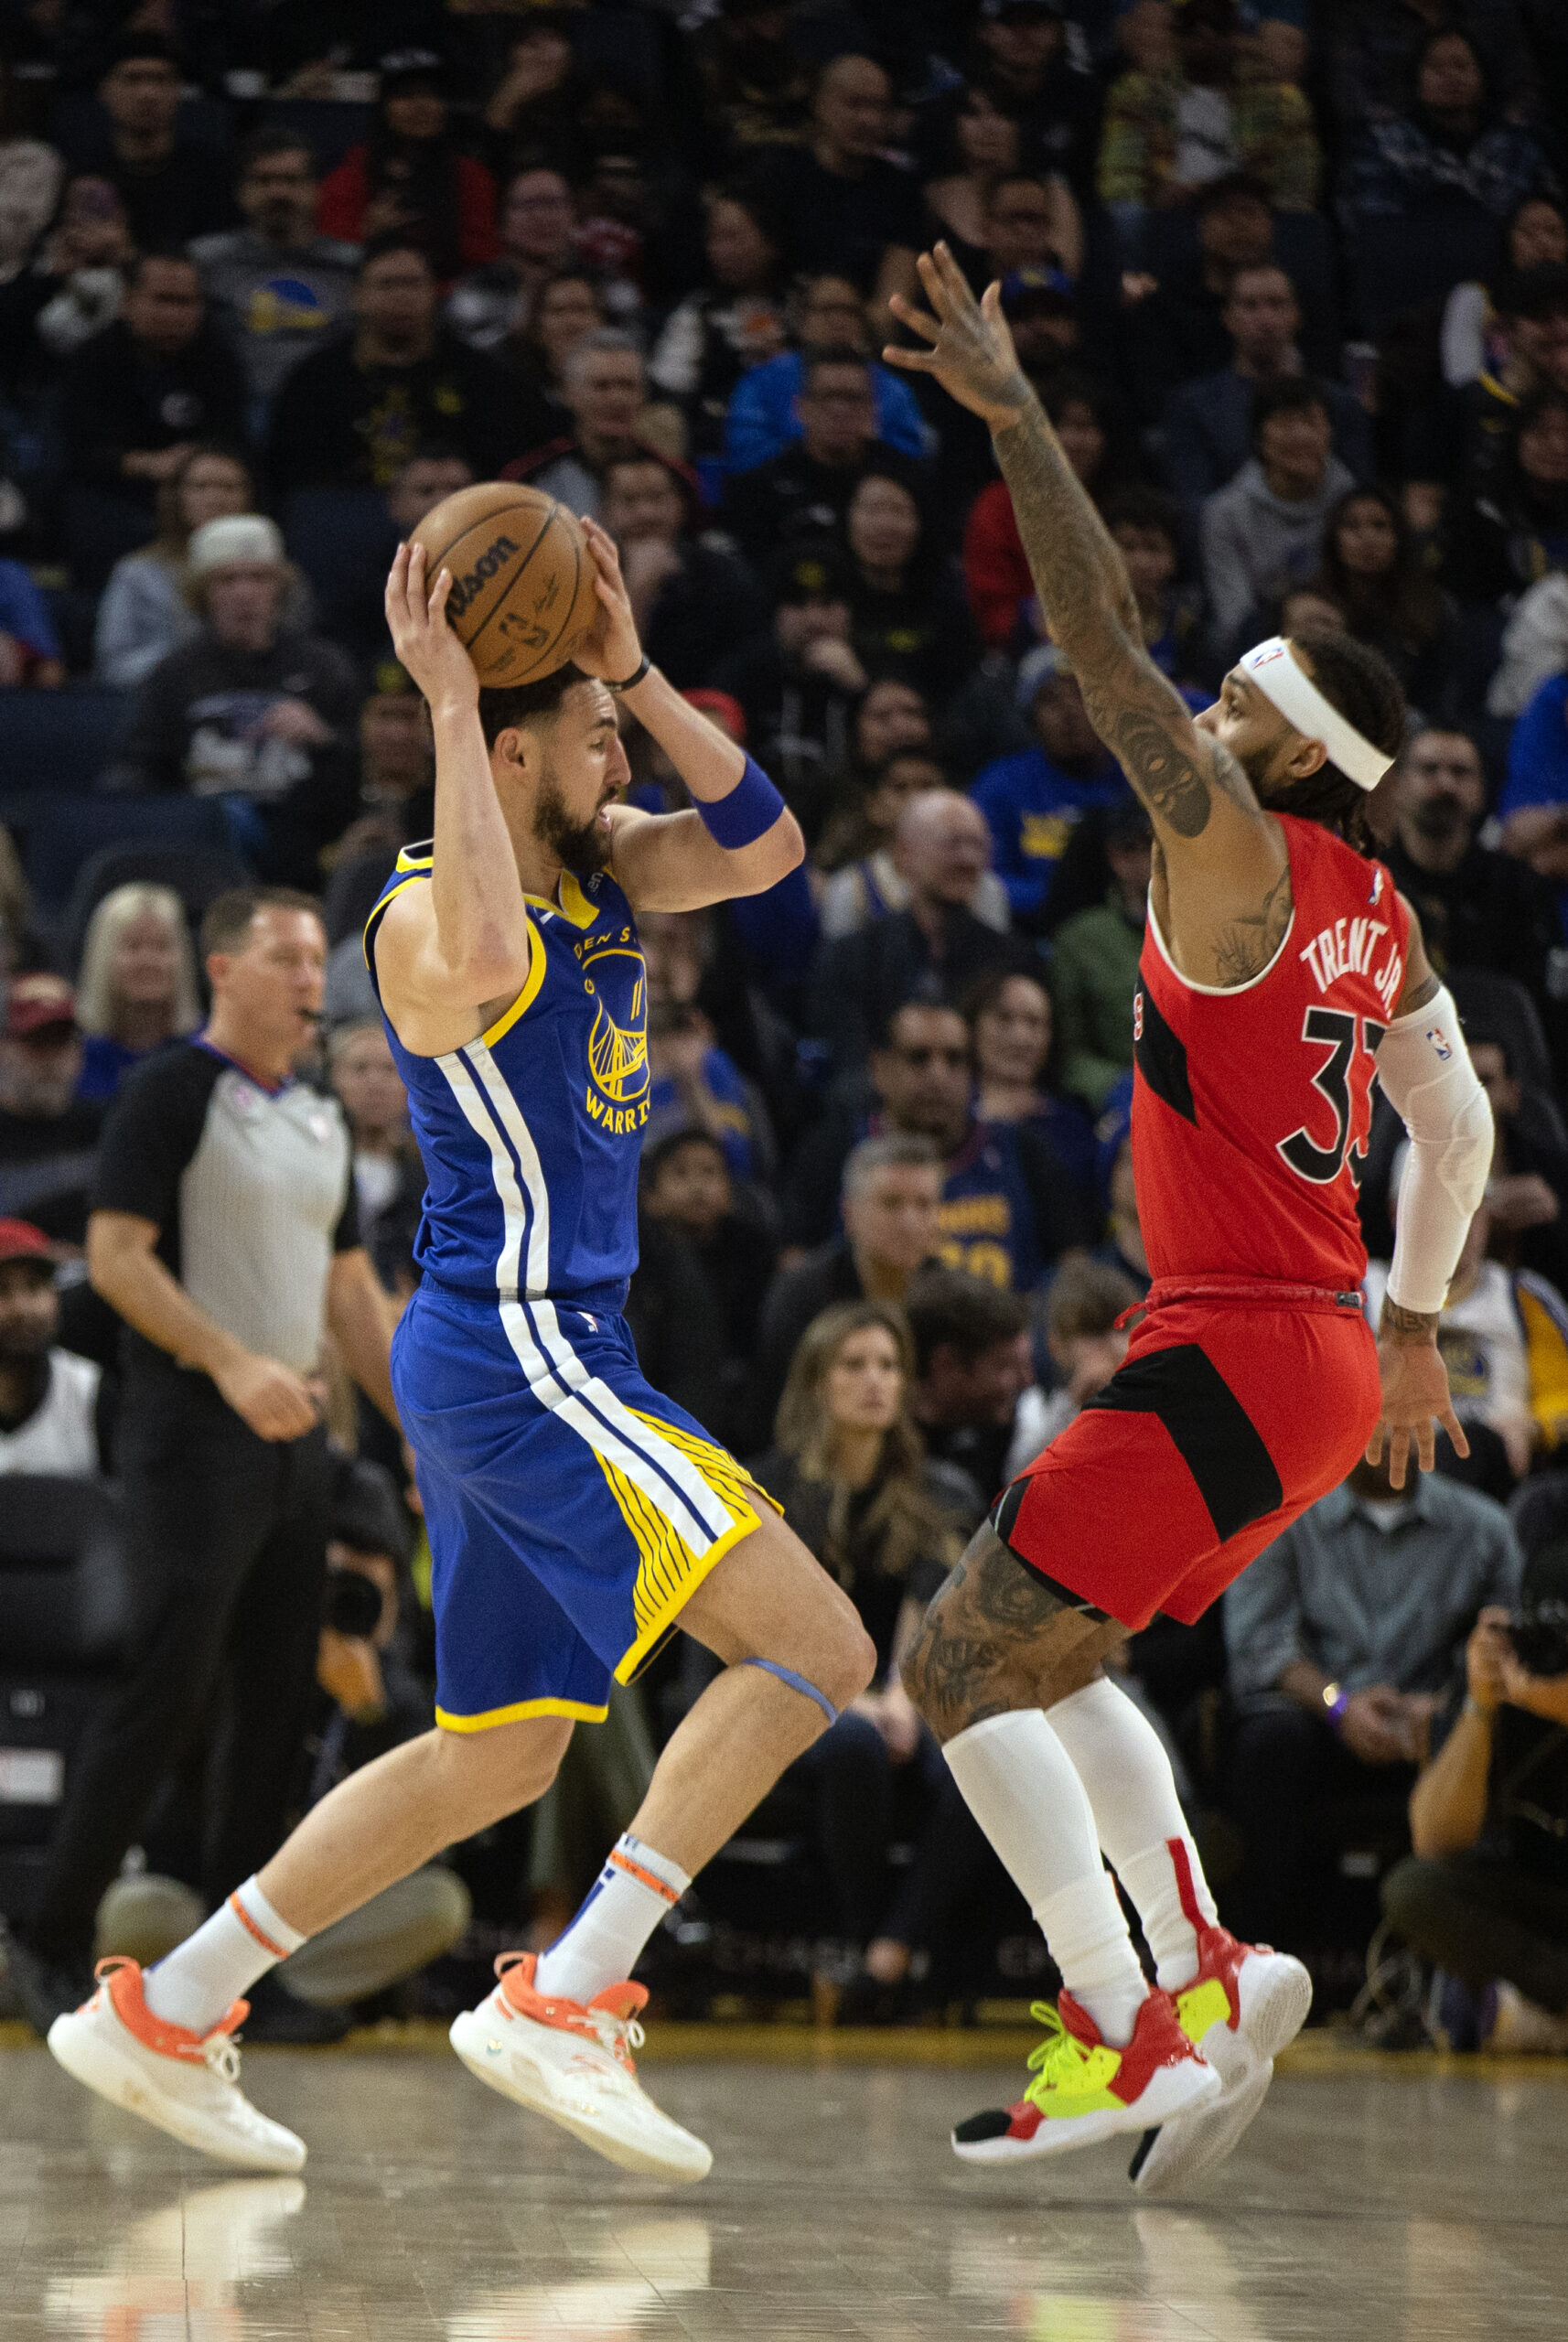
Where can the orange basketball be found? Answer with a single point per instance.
(523, 578)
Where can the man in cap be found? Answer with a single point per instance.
(51, 1419)
(47, 1133)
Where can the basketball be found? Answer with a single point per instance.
(523, 578)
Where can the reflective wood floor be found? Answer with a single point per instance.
(1405, 2201)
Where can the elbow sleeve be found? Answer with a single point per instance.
(1426, 1074)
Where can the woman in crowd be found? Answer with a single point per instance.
(410, 173)
(138, 986)
(370, 1089)
(848, 1466)
(857, 844)
(909, 619)
(1371, 570)
(981, 148)
(731, 323)
(1009, 1016)
(1535, 236)
(1515, 530)
(144, 614)
(563, 312)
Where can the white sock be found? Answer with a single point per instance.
(244, 1937)
(636, 1889)
(1121, 1762)
(1018, 1781)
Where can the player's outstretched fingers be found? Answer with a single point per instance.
(1456, 1430)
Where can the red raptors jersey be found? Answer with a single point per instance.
(1250, 1108)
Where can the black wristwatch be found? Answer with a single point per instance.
(644, 669)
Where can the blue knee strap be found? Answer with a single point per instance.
(796, 1684)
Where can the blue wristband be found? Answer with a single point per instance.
(747, 813)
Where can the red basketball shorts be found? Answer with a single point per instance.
(1235, 1408)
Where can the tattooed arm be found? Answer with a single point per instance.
(1200, 802)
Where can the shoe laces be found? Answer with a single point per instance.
(619, 2035)
(1054, 2058)
(221, 2055)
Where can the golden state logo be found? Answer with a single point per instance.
(615, 976)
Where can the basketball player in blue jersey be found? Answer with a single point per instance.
(573, 1513)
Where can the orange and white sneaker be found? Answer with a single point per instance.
(1084, 2090)
(185, 2083)
(573, 2062)
(1245, 2004)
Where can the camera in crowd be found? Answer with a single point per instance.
(352, 1605)
(1538, 1633)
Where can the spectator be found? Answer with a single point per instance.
(53, 1417)
(1371, 569)
(807, 490)
(1001, 590)
(694, 606)
(137, 984)
(981, 146)
(138, 397)
(1094, 968)
(1037, 69)
(48, 1134)
(369, 1088)
(495, 303)
(796, 683)
(606, 385)
(1535, 646)
(1377, 47)
(1503, 1336)
(1466, 434)
(728, 326)
(1265, 532)
(1147, 527)
(564, 313)
(1341, 1637)
(143, 613)
(1477, 907)
(275, 289)
(535, 99)
(692, 1083)
(849, 1468)
(844, 207)
(1032, 229)
(1087, 1343)
(1034, 800)
(890, 1197)
(172, 185)
(1527, 1191)
(1010, 1018)
(353, 413)
(1535, 236)
(868, 884)
(1484, 1895)
(1514, 529)
(1207, 422)
(1169, 132)
(246, 712)
(940, 848)
(756, 90)
(410, 178)
(1123, 1247)
(221, 1455)
(72, 290)
(1008, 1209)
(355, 617)
(31, 175)
(972, 1368)
(30, 648)
(764, 415)
(907, 614)
(1533, 807)
(686, 1182)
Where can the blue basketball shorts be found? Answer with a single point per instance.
(571, 1509)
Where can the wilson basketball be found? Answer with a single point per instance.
(523, 578)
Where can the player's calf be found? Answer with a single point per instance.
(997, 1637)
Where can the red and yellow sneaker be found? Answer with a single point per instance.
(1084, 2090)
(185, 2083)
(1245, 2004)
(573, 2062)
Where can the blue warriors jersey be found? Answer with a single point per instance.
(530, 1134)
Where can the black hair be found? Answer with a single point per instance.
(1289, 394)
(1406, 597)
(926, 995)
(947, 1308)
(1360, 684)
(1144, 508)
(227, 921)
(507, 708)
(176, 254)
(274, 139)
(392, 240)
(656, 1156)
(132, 47)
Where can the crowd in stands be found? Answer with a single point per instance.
(1291, 278)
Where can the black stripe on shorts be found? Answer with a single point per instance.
(1209, 1428)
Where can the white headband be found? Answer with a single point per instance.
(1301, 702)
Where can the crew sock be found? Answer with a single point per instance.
(636, 1889)
(1019, 1783)
(1121, 1762)
(199, 1979)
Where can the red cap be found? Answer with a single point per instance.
(728, 710)
(36, 1002)
(20, 1240)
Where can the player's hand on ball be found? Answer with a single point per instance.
(425, 644)
(1416, 1402)
(972, 353)
(610, 647)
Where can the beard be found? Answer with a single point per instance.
(1440, 819)
(581, 847)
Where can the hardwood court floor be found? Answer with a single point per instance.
(1415, 2200)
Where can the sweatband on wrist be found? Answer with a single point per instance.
(1426, 1074)
(747, 813)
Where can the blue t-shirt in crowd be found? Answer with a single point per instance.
(24, 613)
(986, 1218)
(1033, 808)
(105, 1062)
(724, 1085)
(1537, 758)
(762, 421)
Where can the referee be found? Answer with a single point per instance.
(223, 1232)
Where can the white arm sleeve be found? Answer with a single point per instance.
(1425, 1070)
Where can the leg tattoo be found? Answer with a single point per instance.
(997, 1638)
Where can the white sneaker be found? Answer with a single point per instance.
(1246, 2003)
(574, 2063)
(178, 2080)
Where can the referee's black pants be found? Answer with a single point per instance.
(227, 1545)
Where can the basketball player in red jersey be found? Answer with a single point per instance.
(1280, 971)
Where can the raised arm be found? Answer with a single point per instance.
(680, 862)
(1193, 789)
